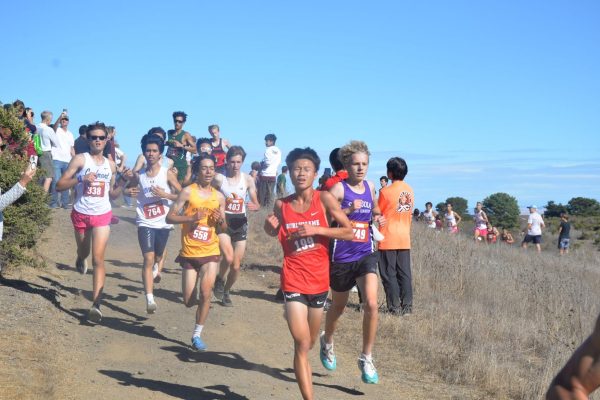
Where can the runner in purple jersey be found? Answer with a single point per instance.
(354, 262)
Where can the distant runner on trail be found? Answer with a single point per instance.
(156, 186)
(480, 232)
(180, 142)
(300, 221)
(219, 148)
(93, 176)
(234, 185)
(429, 215)
(203, 210)
(355, 261)
(452, 219)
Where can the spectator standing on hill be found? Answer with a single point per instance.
(480, 232)
(396, 203)
(109, 149)
(14, 193)
(429, 215)
(282, 182)
(581, 374)
(452, 219)
(180, 142)
(564, 234)
(254, 171)
(535, 224)
(47, 136)
(383, 181)
(81, 144)
(62, 152)
(219, 148)
(268, 172)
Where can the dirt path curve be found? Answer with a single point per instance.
(49, 350)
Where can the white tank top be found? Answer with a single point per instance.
(235, 195)
(479, 221)
(152, 210)
(92, 199)
(450, 220)
(429, 218)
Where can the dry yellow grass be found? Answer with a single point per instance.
(494, 317)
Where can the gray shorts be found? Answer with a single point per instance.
(46, 164)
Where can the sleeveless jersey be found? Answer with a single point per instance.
(450, 221)
(177, 154)
(429, 218)
(479, 221)
(92, 198)
(353, 250)
(219, 153)
(305, 260)
(235, 194)
(152, 210)
(199, 239)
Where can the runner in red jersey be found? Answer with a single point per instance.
(300, 221)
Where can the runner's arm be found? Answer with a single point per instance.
(174, 184)
(68, 179)
(139, 163)
(188, 143)
(376, 212)
(253, 205)
(458, 217)
(221, 222)
(174, 217)
(273, 220)
(116, 185)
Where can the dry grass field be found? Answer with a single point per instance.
(495, 317)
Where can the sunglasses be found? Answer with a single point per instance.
(101, 138)
(179, 121)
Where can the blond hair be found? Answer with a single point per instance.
(355, 146)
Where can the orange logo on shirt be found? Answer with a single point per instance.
(405, 202)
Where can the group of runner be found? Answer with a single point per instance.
(316, 229)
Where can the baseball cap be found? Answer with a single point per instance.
(532, 206)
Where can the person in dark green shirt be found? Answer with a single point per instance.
(281, 182)
(180, 142)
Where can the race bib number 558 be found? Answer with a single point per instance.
(201, 233)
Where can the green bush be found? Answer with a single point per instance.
(26, 219)
(502, 210)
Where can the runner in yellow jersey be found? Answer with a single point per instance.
(203, 209)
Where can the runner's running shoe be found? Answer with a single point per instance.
(95, 315)
(198, 344)
(155, 273)
(81, 266)
(369, 373)
(219, 288)
(327, 356)
(226, 301)
(151, 307)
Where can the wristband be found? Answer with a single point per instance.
(79, 179)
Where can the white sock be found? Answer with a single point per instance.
(367, 357)
(197, 330)
(328, 346)
(150, 298)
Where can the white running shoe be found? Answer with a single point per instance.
(151, 307)
(95, 315)
(154, 270)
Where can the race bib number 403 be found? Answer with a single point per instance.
(94, 189)
(234, 206)
(154, 210)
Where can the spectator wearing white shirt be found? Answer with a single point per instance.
(268, 172)
(47, 136)
(535, 223)
(62, 152)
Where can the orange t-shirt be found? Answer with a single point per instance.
(396, 203)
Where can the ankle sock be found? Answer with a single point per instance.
(197, 330)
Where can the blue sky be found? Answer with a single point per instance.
(478, 97)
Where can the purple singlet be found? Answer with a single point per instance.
(353, 250)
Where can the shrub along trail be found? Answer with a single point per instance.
(48, 350)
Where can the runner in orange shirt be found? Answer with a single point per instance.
(396, 203)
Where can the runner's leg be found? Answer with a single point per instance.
(239, 248)
(227, 254)
(336, 309)
(188, 286)
(83, 241)
(304, 324)
(208, 273)
(100, 236)
(368, 286)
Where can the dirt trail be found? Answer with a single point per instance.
(48, 349)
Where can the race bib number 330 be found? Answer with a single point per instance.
(94, 189)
